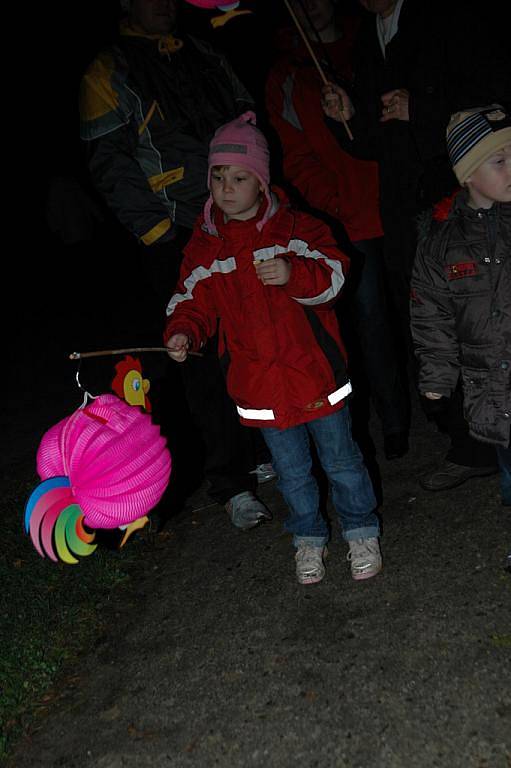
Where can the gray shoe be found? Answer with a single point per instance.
(264, 473)
(451, 475)
(246, 511)
(364, 557)
(310, 567)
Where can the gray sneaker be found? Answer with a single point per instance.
(365, 558)
(246, 511)
(309, 563)
(264, 473)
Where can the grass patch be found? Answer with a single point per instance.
(49, 612)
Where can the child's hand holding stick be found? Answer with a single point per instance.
(177, 347)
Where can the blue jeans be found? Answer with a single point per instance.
(340, 457)
(504, 457)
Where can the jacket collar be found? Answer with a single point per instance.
(281, 219)
(456, 204)
(166, 43)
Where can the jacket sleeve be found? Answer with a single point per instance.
(433, 323)
(300, 164)
(318, 267)
(108, 126)
(191, 310)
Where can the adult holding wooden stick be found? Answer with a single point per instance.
(317, 64)
(343, 190)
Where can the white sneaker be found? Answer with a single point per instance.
(264, 473)
(309, 563)
(246, 511)
(365, 558)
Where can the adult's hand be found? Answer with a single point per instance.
(335, 100)
(395, 105)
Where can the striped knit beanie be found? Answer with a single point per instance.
(240, 143)
(474, 135)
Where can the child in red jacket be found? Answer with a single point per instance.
(269, 275)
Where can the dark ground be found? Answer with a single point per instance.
(215, 656)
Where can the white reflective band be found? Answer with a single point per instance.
(224, 267)
(301, 248)
(340, 394)
(263, 414)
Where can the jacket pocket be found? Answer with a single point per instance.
(478, 397)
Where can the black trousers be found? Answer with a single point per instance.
(367, 307)
(231, 450)
(465, 450)
(400, 244)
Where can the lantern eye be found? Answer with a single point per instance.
(136, 384)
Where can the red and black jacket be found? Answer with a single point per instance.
(281, 345)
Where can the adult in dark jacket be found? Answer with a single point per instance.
(418, 63)
(149, 106)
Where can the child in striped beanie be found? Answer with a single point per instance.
(478, 143)
(461, 283)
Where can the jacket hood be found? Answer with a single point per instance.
(166, 43)
(440, 212)
(277, 196)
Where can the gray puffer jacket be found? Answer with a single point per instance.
(461, 312)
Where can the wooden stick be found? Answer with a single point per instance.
(104, 352)
(315, 60)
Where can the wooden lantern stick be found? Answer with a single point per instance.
(105, 352)
(315, 59)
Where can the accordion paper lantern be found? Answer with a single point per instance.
(104, 466)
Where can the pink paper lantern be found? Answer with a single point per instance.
(117, 463)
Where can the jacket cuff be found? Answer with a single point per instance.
(157, 232)
(296, 286)
(440, 389)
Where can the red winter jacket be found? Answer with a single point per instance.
(328, 178)
(281, 345)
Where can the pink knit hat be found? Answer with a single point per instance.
(240, 143)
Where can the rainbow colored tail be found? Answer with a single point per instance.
(55, 522)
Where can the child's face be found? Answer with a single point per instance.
(236, 192)
(491, 182)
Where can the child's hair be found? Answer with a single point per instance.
(474, 135)
(240, 143)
